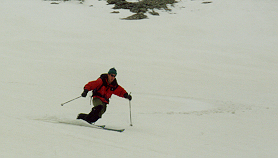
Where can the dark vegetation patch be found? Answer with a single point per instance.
(141, 7)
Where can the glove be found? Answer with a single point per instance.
(127, 96)
(84, 94)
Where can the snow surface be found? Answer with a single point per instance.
(203, 79)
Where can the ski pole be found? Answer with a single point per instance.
(130, 112)
(70, 101)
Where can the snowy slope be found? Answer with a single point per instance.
(203, 79)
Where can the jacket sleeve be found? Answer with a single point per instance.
(93, 84)
(120, 91)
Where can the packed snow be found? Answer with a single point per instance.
(203, 77)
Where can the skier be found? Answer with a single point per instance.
(102, 88)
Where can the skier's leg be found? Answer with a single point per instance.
(93, 116)
(97, 111)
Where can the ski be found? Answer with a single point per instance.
(101, 126)
(82, 117)
(77, 123)
(107, 128)
(113, 129)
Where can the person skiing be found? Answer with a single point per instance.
(102, 88)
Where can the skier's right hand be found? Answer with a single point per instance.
(84, 94)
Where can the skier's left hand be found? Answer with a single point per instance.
(127, 96)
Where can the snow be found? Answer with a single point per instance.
(203, 79)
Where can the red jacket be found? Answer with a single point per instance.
(103, 90)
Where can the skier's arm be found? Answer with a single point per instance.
(121, 92)
(91, 86)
